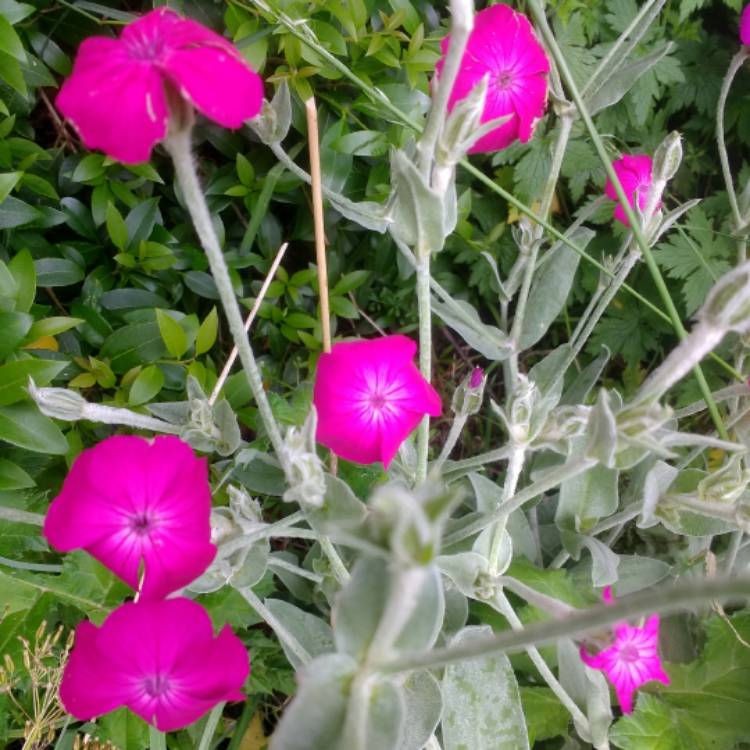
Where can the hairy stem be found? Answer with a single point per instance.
(211, 723)
(178, 145)
(734, 66)
(504, 607)
(424, 306)
(658, 599)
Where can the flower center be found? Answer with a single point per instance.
(504, 80)
(377, 401)
(142, 523)
(629, 653)
(146, 48)
(156, 686)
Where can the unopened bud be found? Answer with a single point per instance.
(59, 403)
(668, 157)
(467, 398)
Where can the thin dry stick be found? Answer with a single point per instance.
(253, 312)
(320, 238)
(317, 202)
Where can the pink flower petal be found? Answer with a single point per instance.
(632, 660)
(220, 85)
(206, 68)
(370, 396)
(156, 516)
(745, 26)
(116, 104)
(91, 686)
(503, 47)
(636, 175)
(159, 659)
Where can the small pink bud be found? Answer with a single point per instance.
(477, 375)
(745, 26)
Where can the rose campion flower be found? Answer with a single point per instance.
(504, 47)
(636, 175)
(370, 396)
(632, 660)
(159, 659)
(745, 26)
(116, 97)
(129, 502)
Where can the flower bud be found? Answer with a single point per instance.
(467, 398)
(305, 475)
(668, 157)
(59, 403)
(275, 118)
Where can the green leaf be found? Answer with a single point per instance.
(343, 307)
(133, 345)
(52, 326)
(316, 716)
(697, 256)
(90, 168)
(482, 703)
(57, 272)
(13, 12)
(348, 282)
(175, 339)
(123, 729)
(245, 170)
(14, 327)
(545, 716)
(362, 143)
(13, 477)
(116, 228)
(24, 426)
(207, 332)
(11, 73)
(148, 383)
(8, 180)
(10, 43)
(79, 218)
(550, 290)
(22, 269)
(14, 377)
(15, 212)
(312, 633)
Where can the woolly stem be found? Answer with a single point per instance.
(658, 599)
(156, 740)
(726, 84)
(178, 145)
(211, 723)
(504, 607)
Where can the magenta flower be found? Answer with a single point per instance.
(745, 26)
(159, 659)
(477, 375)
(369, 396)
(504, 47)
(116, 96)
(632, 660)
(636, 175)
(129, 502)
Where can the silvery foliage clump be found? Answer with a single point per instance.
(387, 578)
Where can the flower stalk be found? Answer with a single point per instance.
(179, 147)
